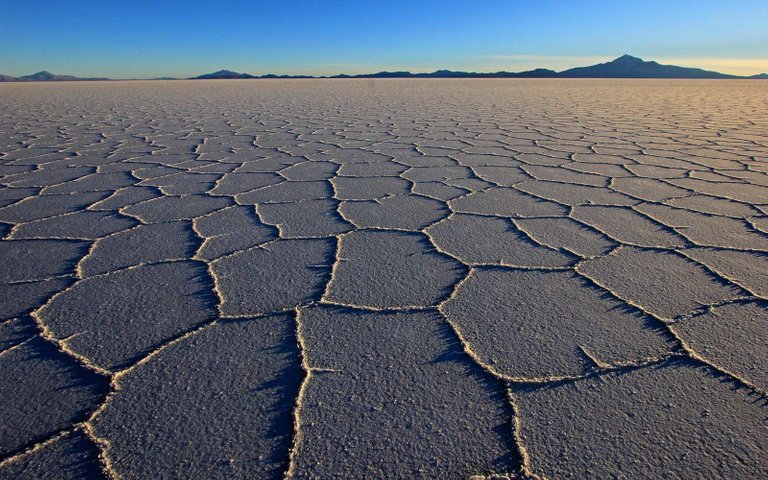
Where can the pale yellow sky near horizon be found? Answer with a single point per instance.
(518, 63)
(476, 63)
(734, 66)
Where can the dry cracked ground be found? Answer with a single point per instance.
(384, 279)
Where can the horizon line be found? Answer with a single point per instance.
(409, 71)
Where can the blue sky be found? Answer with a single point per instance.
(128, 39)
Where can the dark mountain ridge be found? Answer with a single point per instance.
(222, 74)
(626, 66)
(45, 76)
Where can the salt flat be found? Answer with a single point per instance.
(384, 279)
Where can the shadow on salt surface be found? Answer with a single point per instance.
(71, 455)
(284, 387)
(222, 400)
(45, 392)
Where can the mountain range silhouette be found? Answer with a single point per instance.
(625, 66)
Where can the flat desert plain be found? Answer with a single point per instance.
(384, 279)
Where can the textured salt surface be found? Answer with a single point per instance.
(384, 279)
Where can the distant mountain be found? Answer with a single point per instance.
(385, 75)
(627, 66)
(538, 73)
(45, 76)
(272, 75)
(221, 74)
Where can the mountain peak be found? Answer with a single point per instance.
(43, 74)
(627, 66)
(46, 76)
(224, 74)
(626, 58)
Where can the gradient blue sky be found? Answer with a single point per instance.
(127, 39)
